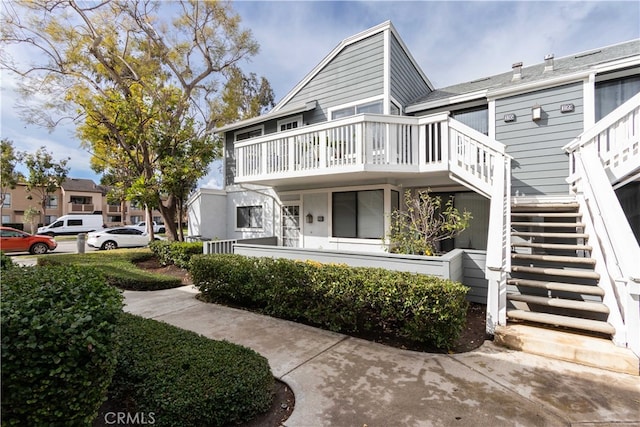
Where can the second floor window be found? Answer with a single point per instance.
(476, 118)
(52, 201)
(249, 133)
(374, 107)
(6, 200)
(611, 94)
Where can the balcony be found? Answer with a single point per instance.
(79, 207)
(370, 146)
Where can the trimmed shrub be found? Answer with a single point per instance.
(185, 379)
(58, 344)
(421, 308)
(178, 253)
(5, 261)
(118, 268)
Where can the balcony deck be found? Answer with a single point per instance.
(370, 146)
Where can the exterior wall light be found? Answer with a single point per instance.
(536, 113)
(309, 218)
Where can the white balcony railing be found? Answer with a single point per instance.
(372, 143)
(616, 139)
(606, 155)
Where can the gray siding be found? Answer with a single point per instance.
(539, 164)
(355, 73)
(473, 266)
(406, 82)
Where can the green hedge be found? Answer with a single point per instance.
(178, 253)
(58, 344)
(5, 261)
(118, 267)
(185, 379)
(421, 308)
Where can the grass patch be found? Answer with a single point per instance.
(118, 267)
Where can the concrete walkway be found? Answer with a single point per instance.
(344, 381)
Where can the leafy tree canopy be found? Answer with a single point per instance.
(144, 81)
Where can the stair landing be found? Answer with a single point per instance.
(572, 347)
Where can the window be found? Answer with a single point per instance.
(6, 219)
(358, 214)
(52, 201)
(374, 107)
(81, 200)
(476, 118)
(611, 94)
(114, 218)
(290, 123)
(6, 200)
(74, 222)
(249, 217)
(135, 219)
(48, 219)
(249, 133)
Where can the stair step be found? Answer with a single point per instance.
(573, 347)
(548, 214)
(568, 205)
(551, 235)
(566, 321)
(558, 286)
(548, 224)
(555, 258)
(591, 306)
(551, 246)
(586, 274)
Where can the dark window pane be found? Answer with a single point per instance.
(344, 214)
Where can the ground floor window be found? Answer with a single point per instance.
(358, 214)
(249, 217)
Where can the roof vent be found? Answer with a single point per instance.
(517, 71)
(548, 62)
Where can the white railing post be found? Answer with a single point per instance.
(498, 246)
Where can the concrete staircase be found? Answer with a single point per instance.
(554, 303)
(553, 281)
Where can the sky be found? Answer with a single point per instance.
(452, 41)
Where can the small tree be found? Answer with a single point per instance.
(426, 221)
(31, 215)
(9, 159)
(45, 176)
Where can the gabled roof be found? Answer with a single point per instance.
(82, 185)
(341, 46)
(577, 65)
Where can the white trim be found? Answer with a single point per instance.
(465, 97)
(589, 101)
(298, 108)
(386, 70)
(392, 100)
(297, 119)
(246, 130)
(491, 108)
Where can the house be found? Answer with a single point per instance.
(74, 196)
(546, 157)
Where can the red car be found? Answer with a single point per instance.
(12, 240)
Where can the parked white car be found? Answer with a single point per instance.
(118, 237)
(142, 226)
